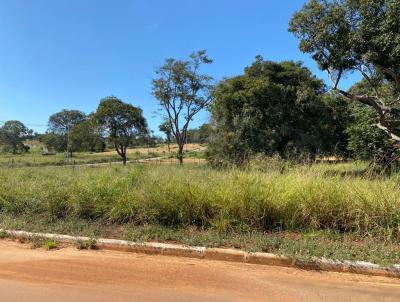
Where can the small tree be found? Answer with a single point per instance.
(122, 123)
(165, 127)
(62, 122)
(182, 91)
(12, 136)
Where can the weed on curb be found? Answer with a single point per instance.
(86, 244)
(50, 245)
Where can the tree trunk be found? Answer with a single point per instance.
(69, 155)
(180, 154)
(388, 116)
(168, 142)
(121, 152)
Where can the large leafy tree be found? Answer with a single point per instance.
(182, 91)
(272, 108)
(345, 36)
(122, 123)
(61, 123)
(12, 136)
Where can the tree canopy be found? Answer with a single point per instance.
(121, 122)
(345, 36)
(272, 108)
(54, 142)
(199, 135)
(63, 121)
(59, 127)
(12, 136)
(86, 136)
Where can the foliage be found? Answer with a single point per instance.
(121, 121)
(365, 140)
(182, 91)
(85, 137)
(54, 142)
(59, 127)
(166, 128)
(334, 123)
(12, 136)
(357, 36)
(39, 241)
(51, 245)
(62, 122)
(89, 244)
(199, 135)
(274, 108)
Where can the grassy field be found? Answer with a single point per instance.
(338, 211)
(160, 149)
(36, 158)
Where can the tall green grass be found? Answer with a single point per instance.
(332, 197)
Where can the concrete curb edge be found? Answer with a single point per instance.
(233, 255)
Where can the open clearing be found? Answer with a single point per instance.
(161, 149)
(71, 275)
(36, 158)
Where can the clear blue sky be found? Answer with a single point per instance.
(57, 54)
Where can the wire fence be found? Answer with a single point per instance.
(13, 163)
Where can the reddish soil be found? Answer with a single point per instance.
(71, 275)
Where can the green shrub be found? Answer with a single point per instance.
(50, 245)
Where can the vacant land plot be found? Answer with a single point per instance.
(336, 211)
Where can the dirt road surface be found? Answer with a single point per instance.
(71, 275)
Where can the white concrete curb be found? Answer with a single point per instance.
(154, 248)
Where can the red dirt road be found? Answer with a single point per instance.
(71, 275)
